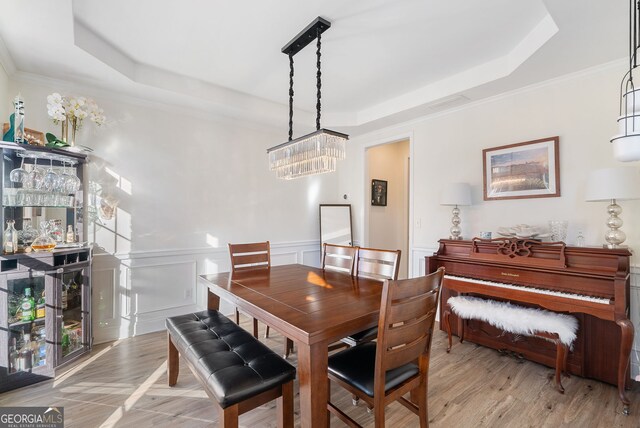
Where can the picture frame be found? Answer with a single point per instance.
(524, 170)
(378, 193)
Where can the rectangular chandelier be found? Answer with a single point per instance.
(319, 151)
(314, 153)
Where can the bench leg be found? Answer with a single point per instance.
(461, 328)
(561, 352)
(228, 417)
(173, 361)
(447, 324)
(266, 334)
(255, 328)
(284, 406)
(237, 316)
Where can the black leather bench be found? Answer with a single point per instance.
(237, 371)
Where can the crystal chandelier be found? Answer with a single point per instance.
(319, 151)
(626, 145)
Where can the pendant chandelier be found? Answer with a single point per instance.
(319, 151)
(626, 145)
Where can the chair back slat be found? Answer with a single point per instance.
(339, 258)
(378, 264)
(407, 316)
(255, 255)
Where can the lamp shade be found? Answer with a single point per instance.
(613, 183)
(456, 194)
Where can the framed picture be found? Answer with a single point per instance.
(379, 193)
(524, 170)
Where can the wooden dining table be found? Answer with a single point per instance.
(312, 307)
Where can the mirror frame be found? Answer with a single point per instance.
(350, 222)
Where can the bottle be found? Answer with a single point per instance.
(28, 306)
(10, 238)
(26, 353)
(65, 297)
(43, 242)
(28, 233)
(580, 239)
(40, 307)
(77, 236)
(39, 346)
(13, 356)
(71, 236)
(73, 293)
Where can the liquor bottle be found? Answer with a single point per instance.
(65, 297)
(56, 230)
(28, 306)
(10, 238)
(13, 356)
(39, 344)
(77, 236)
(40, 307)
(71, 237)
(26, 353)
(73, 291)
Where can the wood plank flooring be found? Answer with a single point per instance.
(124, 384)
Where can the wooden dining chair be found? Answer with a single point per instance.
(251, 256)
(382, 372)
(379, 265)
(339, 258)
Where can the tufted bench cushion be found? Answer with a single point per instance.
(232, 364)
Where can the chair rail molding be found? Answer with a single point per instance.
(133, 293)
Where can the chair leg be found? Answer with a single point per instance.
(447, 324)
(237, 316)
(422, 401)
(255, 328)
(288, 347)
(266, 334)
(173, 361)
(561, 350)
(229, 417)
(461, 328)
(354, 400)
(378, 412)
(284, 406)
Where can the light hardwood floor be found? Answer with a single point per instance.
(124, 384)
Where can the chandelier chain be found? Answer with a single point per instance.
(319, 80)
(290, 97)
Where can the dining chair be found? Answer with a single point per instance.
(339, 258)
(256, 255)
(382, 372)
(379, 265)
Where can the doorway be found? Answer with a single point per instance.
(388, 225)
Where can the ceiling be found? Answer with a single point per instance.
(383, 61)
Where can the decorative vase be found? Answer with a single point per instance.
(74, 127)
(65, 130)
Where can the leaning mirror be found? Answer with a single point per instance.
(335, 224)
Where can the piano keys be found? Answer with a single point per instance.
(591, 283)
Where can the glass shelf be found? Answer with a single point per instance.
(27, 154)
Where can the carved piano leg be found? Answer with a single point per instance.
(626, 327)
(447, 324)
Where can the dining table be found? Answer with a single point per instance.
(312, 307)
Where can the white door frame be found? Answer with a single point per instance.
(367, 189)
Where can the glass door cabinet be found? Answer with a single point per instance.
(45, 296)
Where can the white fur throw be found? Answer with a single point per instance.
(515, 319)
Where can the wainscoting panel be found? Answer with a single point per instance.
(134, 293)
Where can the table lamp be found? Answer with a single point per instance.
(613, 184)
(456, 194)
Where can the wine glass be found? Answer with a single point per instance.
(37, 175)
(50, 180)
(19, 175)
(71, 183)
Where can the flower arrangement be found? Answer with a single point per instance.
(70, 111)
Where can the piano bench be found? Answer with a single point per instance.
(237, 371)
(559, 329)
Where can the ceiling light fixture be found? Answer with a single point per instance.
(319, 151)
(626, 145)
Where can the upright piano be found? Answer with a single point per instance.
(590, 283)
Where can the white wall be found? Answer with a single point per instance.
(6, 100)
(187, 186)
(388, 226)
(581, 109)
